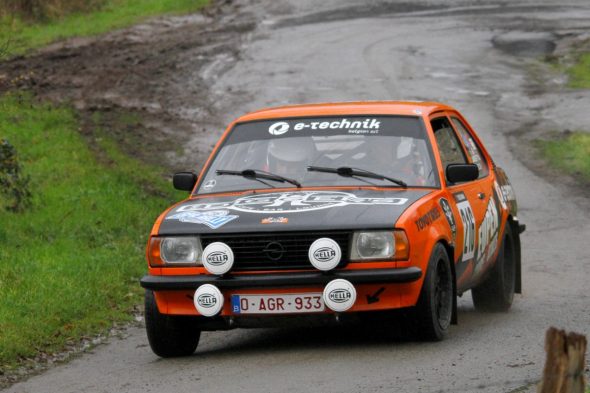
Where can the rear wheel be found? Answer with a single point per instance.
(435, 305)
(169, 335)
(497, 291)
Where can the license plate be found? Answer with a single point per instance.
(277, 304)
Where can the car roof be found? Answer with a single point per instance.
(407, 108)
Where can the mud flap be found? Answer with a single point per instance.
(454, 314)
(517, 229)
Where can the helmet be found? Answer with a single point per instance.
(289, 156)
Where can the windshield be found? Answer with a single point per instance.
(392, 146)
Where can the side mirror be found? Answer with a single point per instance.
(457, 173)
(184, 181)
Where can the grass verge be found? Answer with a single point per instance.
(19, 36)
(69, 266)
(579, 72)
(570, 153)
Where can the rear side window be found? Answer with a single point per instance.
(448, 144)
(473, 149)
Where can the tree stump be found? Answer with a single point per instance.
(564, 365)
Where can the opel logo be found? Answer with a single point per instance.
(274, 251)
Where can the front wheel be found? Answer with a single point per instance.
(435, 305)
(169, 335)
(497, 291)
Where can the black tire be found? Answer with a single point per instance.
(169, 336)
(497, 291)
(434, 310)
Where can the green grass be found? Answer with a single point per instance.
(69, 267)
(570, 153)
(579, 73)
(22, 36)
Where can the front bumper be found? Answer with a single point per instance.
(400, 275)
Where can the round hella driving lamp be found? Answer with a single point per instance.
(324, 254)
(208, 300)
(339, 295)
(218, 258)
(373, 245)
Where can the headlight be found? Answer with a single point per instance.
(380, 245)
(181, 250)
(372, 246)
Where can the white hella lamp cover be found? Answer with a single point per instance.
(325, 254)
(218, 258)
(208, 300)
(339, 295)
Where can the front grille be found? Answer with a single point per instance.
(276, 251)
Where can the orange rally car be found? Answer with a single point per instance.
(329, 211)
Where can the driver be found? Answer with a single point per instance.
(289, 157)
(397, 157)
(412, 168)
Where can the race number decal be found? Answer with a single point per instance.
(468, 219)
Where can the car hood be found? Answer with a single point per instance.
(290, 211)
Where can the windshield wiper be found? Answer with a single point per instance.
(257, 174)
(346, 171)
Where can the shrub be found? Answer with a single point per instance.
(14, 186)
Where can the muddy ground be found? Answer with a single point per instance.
(182, 79)
(143, 86)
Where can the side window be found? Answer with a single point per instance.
(448, 144)
(473, 150)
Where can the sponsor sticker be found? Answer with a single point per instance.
(501, 195)
(428, 218)
(508, 192)
(488, 235)
(275, 220)
(278, 128)
(339, 295)
(217, 258)
(350, 126)
(213, 218)
(446, 207)
(207, 300)
(325, 254)
(459, 197)
(210, 184)
(287, 202)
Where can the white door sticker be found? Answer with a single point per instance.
(468, 229)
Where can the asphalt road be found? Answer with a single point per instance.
(464, 55)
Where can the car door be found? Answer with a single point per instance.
(489, 202)
(471, 200)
